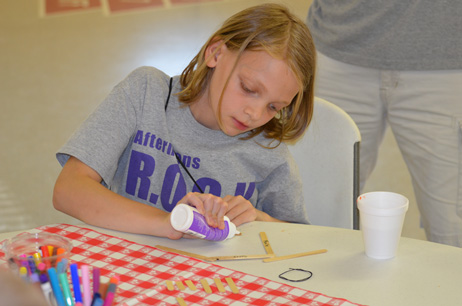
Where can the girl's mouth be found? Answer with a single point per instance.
(239, 125)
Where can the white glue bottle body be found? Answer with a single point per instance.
(187, 219)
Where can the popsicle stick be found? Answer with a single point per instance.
(219, 284)
(266, 244)
(183, 253)
(232, 285)
(295, 255)
(190, 285)
(181, 301)
(169, 285)
(180, 285)
(214, 258)
(206, 286)
(241, 257)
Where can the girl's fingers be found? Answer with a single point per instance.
(215, 209)
(194, 199)
(240, 210)
(212, 207)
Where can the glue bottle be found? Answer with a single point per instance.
(187, 219)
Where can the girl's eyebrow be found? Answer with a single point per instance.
(251, 78)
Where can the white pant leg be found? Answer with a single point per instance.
(424, 110)
(355, 90)
(425, 115)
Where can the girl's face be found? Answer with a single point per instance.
(258, 88)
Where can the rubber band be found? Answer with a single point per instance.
(310, 274)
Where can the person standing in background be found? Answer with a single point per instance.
(400, 63)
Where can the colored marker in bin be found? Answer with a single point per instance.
(59, 297)
(76, 283)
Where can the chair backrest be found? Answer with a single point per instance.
(328, 159)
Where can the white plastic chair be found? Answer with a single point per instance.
(328, 159)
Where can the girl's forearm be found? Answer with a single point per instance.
(81, 196)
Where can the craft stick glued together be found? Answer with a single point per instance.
(241, 257)
(214, 258)
(295, 255)
(182, 252)
(266, 244)
(269, 250)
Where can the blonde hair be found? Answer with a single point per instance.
(272, 28)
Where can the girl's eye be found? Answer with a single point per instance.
(273, 108)
(246, 89)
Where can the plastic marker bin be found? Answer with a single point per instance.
(187, 219)
(37, 252)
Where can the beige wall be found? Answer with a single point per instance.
(55, 70)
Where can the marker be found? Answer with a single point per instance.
(96, 296)
(43, 278)
(53, 254)
(25, 263)
(32, 266)
(38, 258)
(24, 273)
(76, 283)
(103, 288)
(59, 252)
(86, 286)
(45, 255)
(34, 278)
(53, 276)
(114, 280)
(61, 267)
(44, 249)
(98, 302)
(41, 267)
(96, 276)
(110, 294)
(47, 292)
(66, 289)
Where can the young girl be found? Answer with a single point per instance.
(213, 138)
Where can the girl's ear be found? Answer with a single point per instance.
(213, 52)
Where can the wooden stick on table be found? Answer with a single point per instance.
(266, 244)
(214, 258)
(232, 285)
(295, 255)
(181, 301)
(183, 252)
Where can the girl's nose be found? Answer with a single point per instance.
(254, 111)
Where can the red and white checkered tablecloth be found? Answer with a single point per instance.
(143, 271)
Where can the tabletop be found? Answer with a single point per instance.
(422, 273)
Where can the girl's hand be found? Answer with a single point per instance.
(212, 207)
(170, 232)
(241, 211)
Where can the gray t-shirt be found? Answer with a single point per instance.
(389, 34)
(130, 140)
